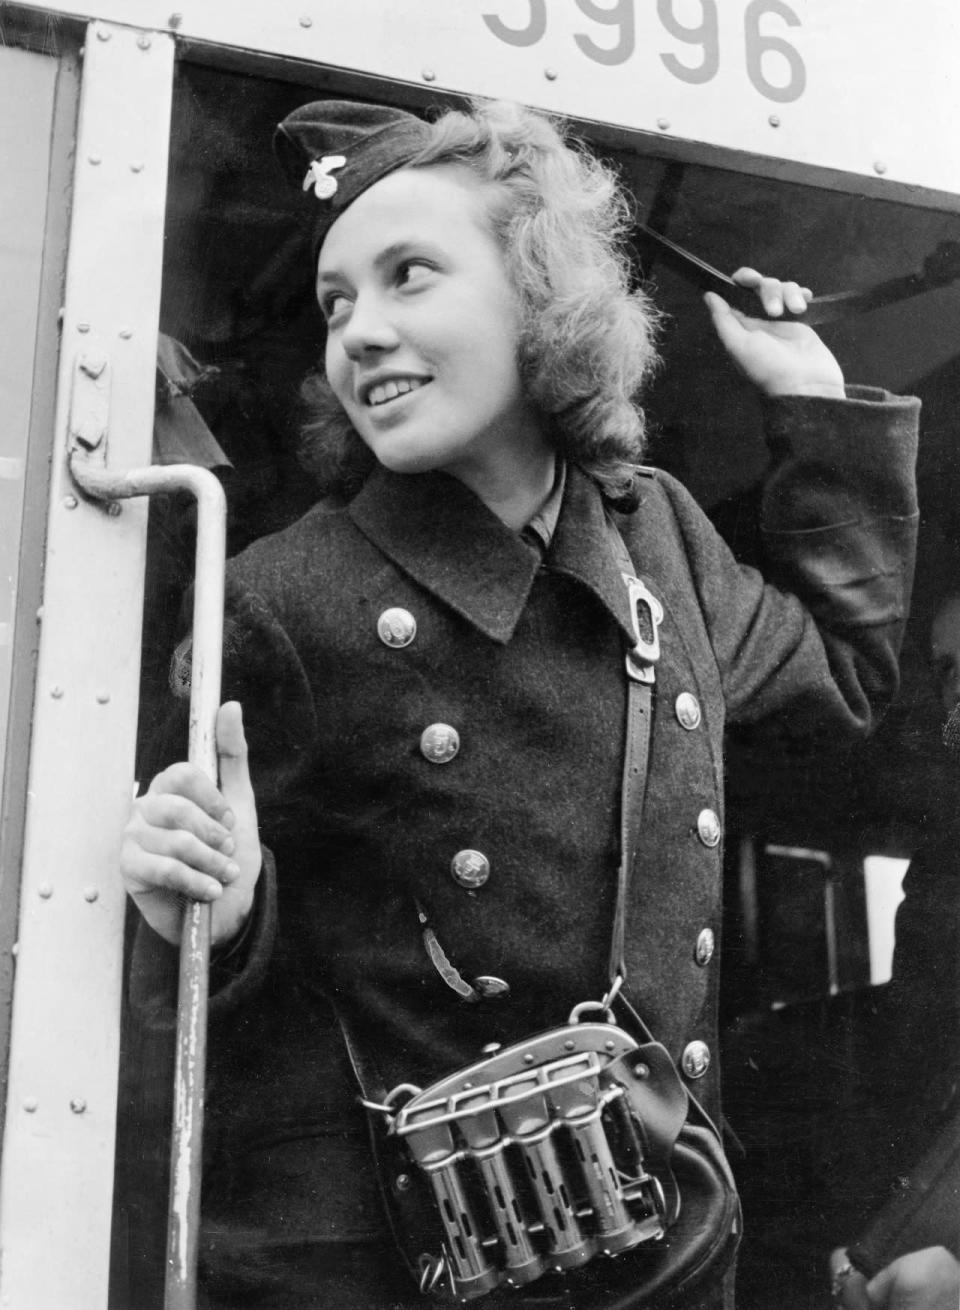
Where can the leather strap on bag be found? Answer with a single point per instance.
(647, 614)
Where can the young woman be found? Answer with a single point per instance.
(431, 666)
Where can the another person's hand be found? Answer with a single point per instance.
(187, 839)
(781, 356)
(923, 1280)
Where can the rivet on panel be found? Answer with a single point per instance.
(30, 1104)
(879, 166)
(78, 1104)
(663, 124)
(114, 508)
(126, 334)
(90, 894)
(429, 75)
(641, 1071)
(83, 327)
(70, 502)
(550, 74)
(103, 698)
(56, 692)
(528, 1058)
(306, 21)
(143, 41)
(774, 120)
(103, 34)
(45, 891)
(136, 167)
(175, 20)
(95, 159)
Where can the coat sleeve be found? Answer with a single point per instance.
(819, 632)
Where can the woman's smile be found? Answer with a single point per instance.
(378, 393)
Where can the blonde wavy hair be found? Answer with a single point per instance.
(587, 337)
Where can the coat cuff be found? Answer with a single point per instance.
(837, 461)
(236, 970)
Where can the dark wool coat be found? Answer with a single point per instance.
(523, 657)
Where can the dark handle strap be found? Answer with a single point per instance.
(939, 269)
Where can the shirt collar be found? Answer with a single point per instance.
(444, 537)
(540, 529)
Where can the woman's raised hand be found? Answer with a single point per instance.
(780, 355)
(188, 839)
(923, 1280)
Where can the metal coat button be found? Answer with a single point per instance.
(687, 709)
(695, 1060)
(396, 627)
(706, 945)
(470, 868)
(708, 828)
(439, 743)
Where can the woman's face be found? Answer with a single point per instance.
(422, 327)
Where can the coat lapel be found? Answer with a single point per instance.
(583, 547)
(446, 539)
(443, 536)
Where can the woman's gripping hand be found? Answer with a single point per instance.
(780, 355)
(188, 839)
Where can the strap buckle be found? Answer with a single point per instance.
(646, 614)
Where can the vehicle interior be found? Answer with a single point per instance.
(809, 926)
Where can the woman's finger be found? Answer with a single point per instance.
(167, 810)
(183, 847)
(146, 873)
(187, 780)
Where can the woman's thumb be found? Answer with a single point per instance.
(232, 757)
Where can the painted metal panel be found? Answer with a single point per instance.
(56, 1187)
(50, 137)
(866, 87)
(24, 149)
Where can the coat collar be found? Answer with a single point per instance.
(449, 542)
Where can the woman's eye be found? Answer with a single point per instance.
(411, 272)
(334, 305)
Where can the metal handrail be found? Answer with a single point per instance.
(186, 1150)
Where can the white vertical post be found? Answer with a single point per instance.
(58, 1147)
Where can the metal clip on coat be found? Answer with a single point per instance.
(647, 615)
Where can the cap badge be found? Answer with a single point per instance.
(318, 176)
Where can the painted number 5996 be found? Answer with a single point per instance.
(773, 65)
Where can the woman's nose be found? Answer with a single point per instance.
(369, 328)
